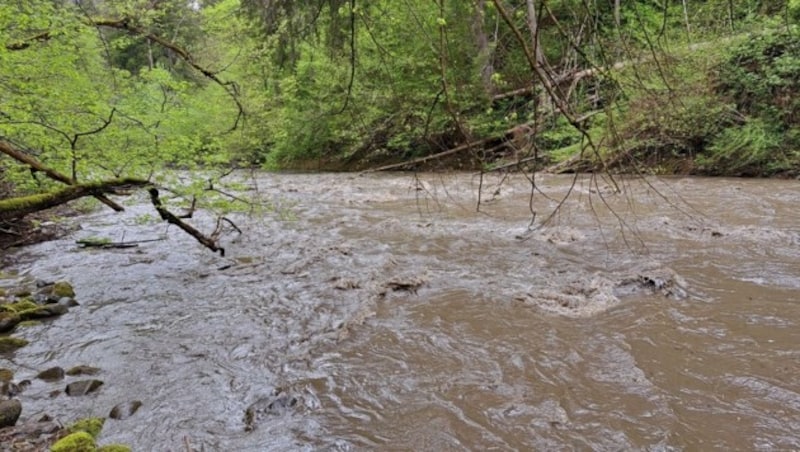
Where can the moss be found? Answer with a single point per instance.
(23, 305)
(6, 375)
(75, 442)
(63, 289)
(90, 425)
(114, 448)
(28, 323)
(9, 344)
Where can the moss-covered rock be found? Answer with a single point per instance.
(63, 289)
(114, 448)
(43, 312)
(6, 375)
(19, 306)
(75, 442)
(90, 425)
(28, 323)
(22, 293)
(9, 344)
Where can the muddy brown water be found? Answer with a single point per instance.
(382, 312)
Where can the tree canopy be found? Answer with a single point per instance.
(98, 90)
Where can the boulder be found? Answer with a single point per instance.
(82, 387)
(51, 374)
(9, 412)
(8, 320)
(82, 370)
(125, 410)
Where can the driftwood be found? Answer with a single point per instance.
(106, 244)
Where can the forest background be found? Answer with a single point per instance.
(94, 90)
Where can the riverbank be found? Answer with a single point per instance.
(28, 304)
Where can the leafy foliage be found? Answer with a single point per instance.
(344, 84)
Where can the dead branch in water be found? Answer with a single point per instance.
(103, 244)
(171, 218)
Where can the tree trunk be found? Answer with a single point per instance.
(482, 43)
(533, 27)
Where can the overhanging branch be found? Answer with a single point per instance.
(19, 207)
(25, 158)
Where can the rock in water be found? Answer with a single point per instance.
(125, 410)
(9, 344)
(63, 289)
(9, 412)
(277, 404)
(8, 320)
(43, 312)
(82, 370)
(51, 374)
(83, 387)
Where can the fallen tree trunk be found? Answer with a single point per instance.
(520, 128)
(14, 208)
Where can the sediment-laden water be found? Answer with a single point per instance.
(383, 312)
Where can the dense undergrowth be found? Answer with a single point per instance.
(734, 112)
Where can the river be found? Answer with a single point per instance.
(383, 312)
